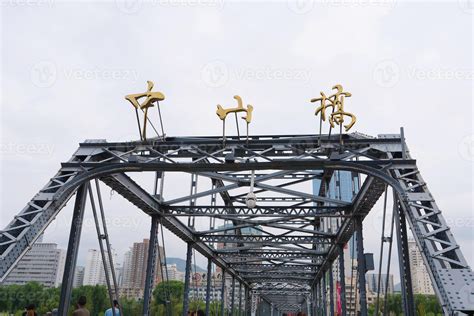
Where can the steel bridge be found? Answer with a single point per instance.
(300, 236)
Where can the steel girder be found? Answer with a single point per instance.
(282, 220)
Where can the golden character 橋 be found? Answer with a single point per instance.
(336, 102)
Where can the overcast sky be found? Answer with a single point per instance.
(66, 67)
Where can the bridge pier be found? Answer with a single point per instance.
(72, 250)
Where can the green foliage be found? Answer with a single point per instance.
(425, 305)
(97, 298)
(160, 295)
(14, 298)
(131, 306)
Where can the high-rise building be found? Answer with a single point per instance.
(43, 263)
(372, 280)
(135, 266)
(126, 269)
(343, 185)
(419, 274)
(78, 277)
(94, 272)
(173, 273)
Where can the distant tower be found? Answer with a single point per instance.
(43, 263)
(419, 274)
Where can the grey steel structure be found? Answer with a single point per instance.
(285, 267)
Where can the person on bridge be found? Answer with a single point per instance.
(109, 312)
(30, 310)
(81, 307)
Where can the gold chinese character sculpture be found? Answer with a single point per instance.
(151, 98)
(336, 102)
(222, 114)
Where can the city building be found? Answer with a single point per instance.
(419, 274)
(78, 277)
(94, 273)
(173, 273)
(126, 269)
(134, 269)
(343, 185)
(372, 280)
(43, 263)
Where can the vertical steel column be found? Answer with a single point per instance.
(404, 263)
(361, 266)
(187, 279)
(72, 249)
(223, 293)
(324, 293)
(315, 299)
(151, 265)
(240, 298)
(342, 281)
(208, 286)
(109, 246)
(101, 238)
(247, 301)
(331, 291)
(232, 298)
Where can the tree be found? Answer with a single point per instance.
(169, 293)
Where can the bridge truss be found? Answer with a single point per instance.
(279, 251)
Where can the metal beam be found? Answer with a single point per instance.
(151, 264)
(72, 250)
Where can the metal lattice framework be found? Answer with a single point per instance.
(281, 249)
